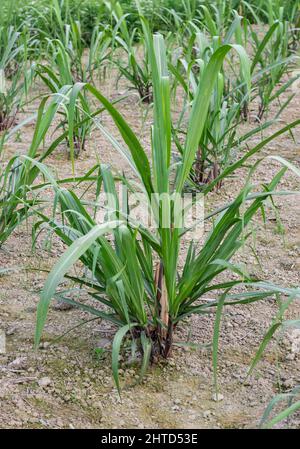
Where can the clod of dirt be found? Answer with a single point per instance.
(45, 382)
(2, 342)
(104, 343)
(62, 306)
(20, 363)
(295, 340)
(217, 397)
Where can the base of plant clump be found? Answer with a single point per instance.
(6, 122)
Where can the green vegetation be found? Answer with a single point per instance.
(202, 69)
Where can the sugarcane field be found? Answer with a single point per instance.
(149, 216)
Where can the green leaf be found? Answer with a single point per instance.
(216, 336)
(118, 338)
(263, 346)
(72, 254)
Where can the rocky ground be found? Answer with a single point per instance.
(67, 383)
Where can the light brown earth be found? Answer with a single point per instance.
(65, 385)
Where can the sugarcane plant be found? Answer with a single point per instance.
(136, 67)
(217, 17)
(13, 86)
(18, 176)
(18, 179)
(290, 404)
(133, 272)
(220, 139)
(56, 76)
(280, 325)
(271, 65)
(275, 61)
(84, 62)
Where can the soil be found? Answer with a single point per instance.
(67, 383)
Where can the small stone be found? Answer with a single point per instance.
(288, 383)
(206, 414)
(98, 404)
(44, 345)
(2, 342)
(10, 331)
(295, 339)
(62, 306)
(18, 363)
(45, 382)
(217, 397)
(297, 263)
(59, 422)
(104, 343)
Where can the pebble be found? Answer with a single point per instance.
(45, 382)
(206, 414)
(62, 306)
(98, 404)
(104, 343)
(18, 363)
(217, 397)
(289, 383)
(11, 331)
(2, 342)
